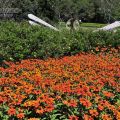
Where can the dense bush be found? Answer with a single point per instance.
(20, 41)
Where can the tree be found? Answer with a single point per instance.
(5, 6)
(109, 9)
(61, 10)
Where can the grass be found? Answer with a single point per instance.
(86, 26)
(94, 25)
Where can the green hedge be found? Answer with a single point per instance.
(21, 41)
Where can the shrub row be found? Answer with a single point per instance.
(21, 41)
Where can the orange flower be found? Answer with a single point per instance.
(72, 103)
(40, 110)
(118, 115)
(49, 108)
(87, 117)
(33, 119)
(11, 111)
(73, 117)
(85, 102)
(20, 115)
(106, 117)
(100, 107)
(58, 97)
(108, 94)
(93, 113)
(1, 100)
(97, 49)
(66, 102)
(40, 84)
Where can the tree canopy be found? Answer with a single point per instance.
(61, 10)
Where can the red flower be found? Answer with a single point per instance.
(106, 117)
(72, 103)
(40, 111)
(100, 107)
(11, 111)
(73, 117)
(1, 100)
(85, 102)
(93, 112)
(97, 49)
(118, 115)
(49, 108)
(33, 119)
(41, 85)
(108, 94)
(87, 117)
(20, 115)
(66, 102)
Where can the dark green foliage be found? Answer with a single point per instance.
(21, 41)
(52, 11)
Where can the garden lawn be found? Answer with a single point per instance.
(94, 25)
(85, 87)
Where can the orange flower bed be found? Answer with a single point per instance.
(85, 86)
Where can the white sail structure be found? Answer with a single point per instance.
(110, 26)
(33, 23)
(38, 20)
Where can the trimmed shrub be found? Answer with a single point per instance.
(21, 41)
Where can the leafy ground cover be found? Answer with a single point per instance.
(85, 86)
